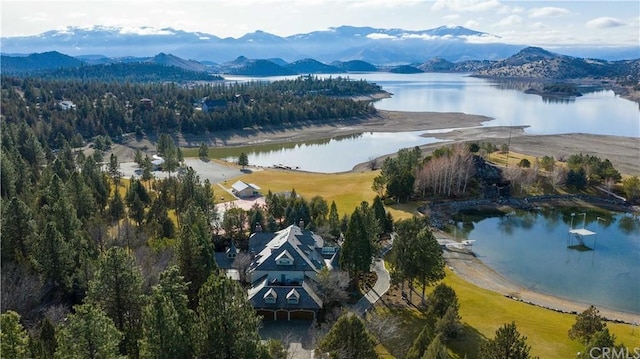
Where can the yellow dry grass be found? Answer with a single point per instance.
(348, 190)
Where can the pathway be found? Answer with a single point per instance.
(383, 283)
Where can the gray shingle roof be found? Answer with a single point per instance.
(307, 298)
(304, 247)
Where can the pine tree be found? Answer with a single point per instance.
(428, 257)
(441, 299)
(334, 220)
(588, 323)
(116, 207)
(227, 326)
(243, 160)
(436, 349)
(88, 333)
(17, 231)
(117, 289)
(203, 151)
(14, 338)
(449, 324)
(168, 320)
(600, 340)
(113, 169)
(53, 256)
(420, 344)
(348, 338)
(195, 251)
(358, 250)
(507, 344)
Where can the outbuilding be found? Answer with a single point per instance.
(244, 190)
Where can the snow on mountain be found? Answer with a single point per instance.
(343, 43)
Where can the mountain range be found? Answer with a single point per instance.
(345, 43)
(528, 63)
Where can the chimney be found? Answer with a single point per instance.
(301, 223)
(258, 227)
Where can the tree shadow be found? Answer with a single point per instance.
(468, 342)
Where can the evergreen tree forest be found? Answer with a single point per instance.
(111, 109)
(97, 265)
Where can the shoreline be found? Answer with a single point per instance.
(623, 152)
(468, 267)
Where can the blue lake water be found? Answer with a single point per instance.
(531, 248)
(528, 248)
(597, 112)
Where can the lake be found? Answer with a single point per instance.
(596, 112)
(531, 249)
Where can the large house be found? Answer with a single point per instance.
(282, 272)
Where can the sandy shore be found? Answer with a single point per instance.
(471, 269)
(623, 152)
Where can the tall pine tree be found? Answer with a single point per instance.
(117, 289)
(227, 326)
(88, 333)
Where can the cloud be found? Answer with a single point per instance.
(419, 36)
(380, 3)
(471, 24)
(481, 39)
(451, 17)
(604, 23)
(145, 31)
(466, 5)
(548, 11)
(510, 21)
(36, 17)
(378, 36)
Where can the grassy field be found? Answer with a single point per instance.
(346, 189)
(482, 311)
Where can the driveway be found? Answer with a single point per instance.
(214, 171)
(379, 289)
(296, 335)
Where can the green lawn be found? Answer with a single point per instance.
(482, 311)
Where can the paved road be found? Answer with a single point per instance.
(379, 289)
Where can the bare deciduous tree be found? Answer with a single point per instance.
(332, 286)
(20, 288)
(373, 163)
(558, 176)
(448, 174)
(241, 264)
(387, 329)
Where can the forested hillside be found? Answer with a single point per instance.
(114, 108)
(128, 264)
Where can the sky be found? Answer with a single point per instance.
(536, 23)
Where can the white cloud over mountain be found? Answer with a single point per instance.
(605, 23)
(548, 12)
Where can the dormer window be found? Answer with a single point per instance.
(232, 252)
(270, 296)
(284, 259)
(293, 297)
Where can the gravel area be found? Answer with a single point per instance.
(214, 171)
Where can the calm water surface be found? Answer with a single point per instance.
(530, 248)
(527, 247)
(597, 112)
